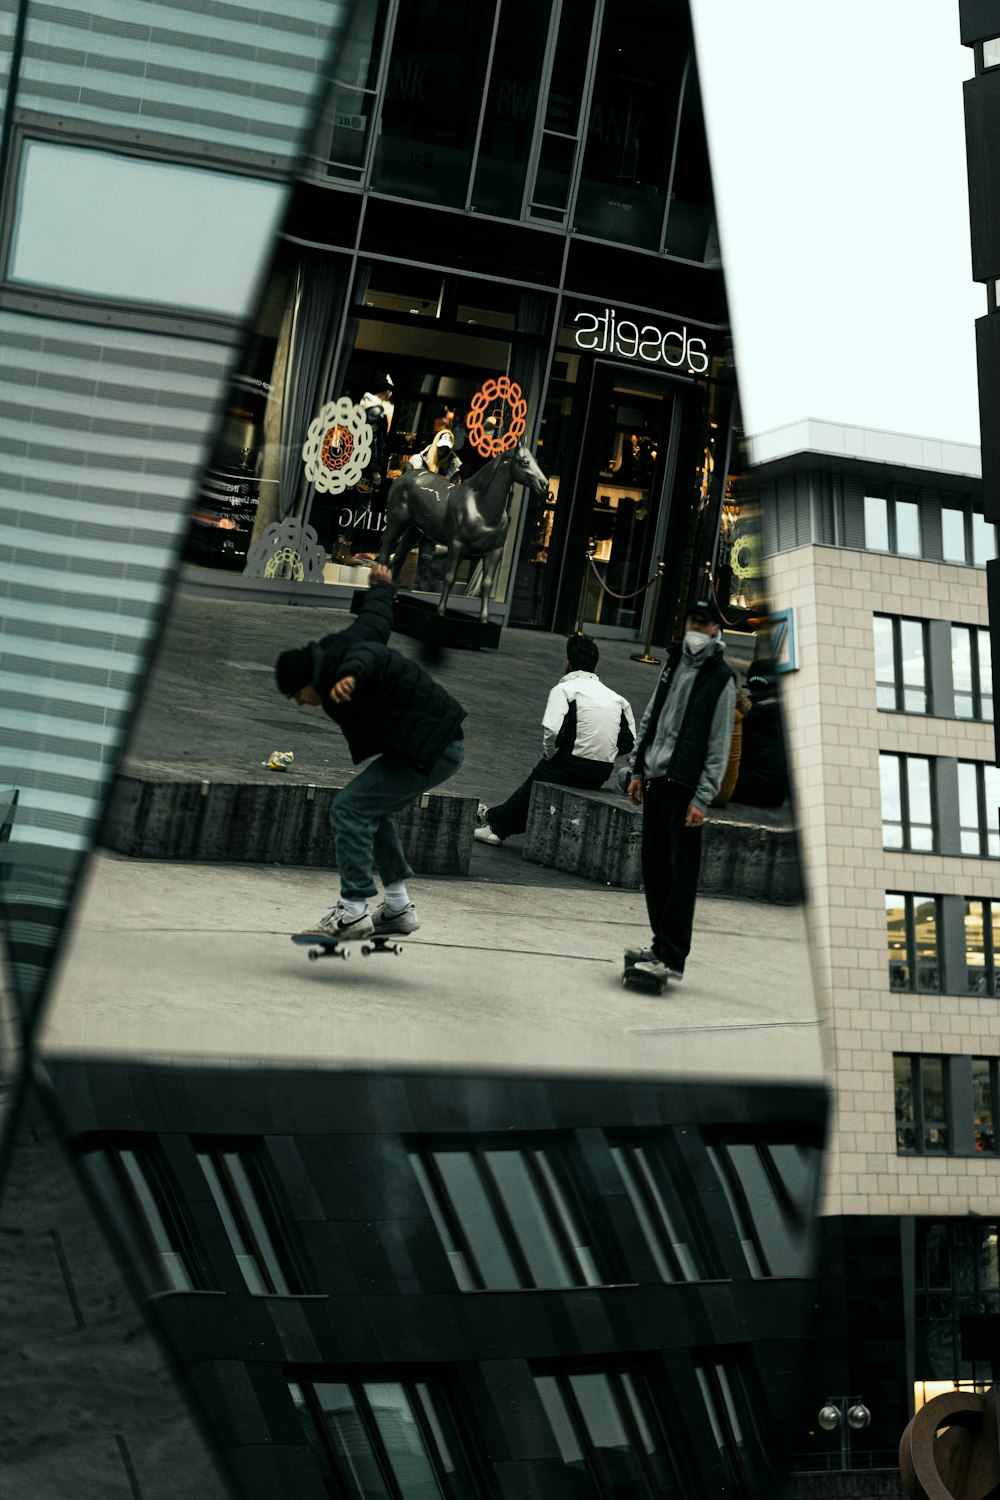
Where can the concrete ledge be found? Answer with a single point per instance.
(598, 835)
(269, 822)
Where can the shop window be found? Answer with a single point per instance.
(972, 672)
(347, 127)
(912, 937)
(957, 1279)
(508, 1216)
(140, 1195)
(433, 93)
(982, 947)
(922, 1124)
(511, 112)
(386, 1439)
(770, 1189)
(978, 804)
(559, 144)
(241, 1195)
(134, 223)
(633, 125)
(901, 665)
(607, 1428)
(730, 1412)
(892, 525)
(664, 1207)
(908, 820)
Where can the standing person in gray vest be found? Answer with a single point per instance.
(683, 750)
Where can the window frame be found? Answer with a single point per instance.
(985, 833)
(268, 1260)
(990, 971)
(920, 1124)
(976, 635)
(906, 823)
(908, 900)
(159, 1183)
(658, 1219)
(891, 502)
(898, 684)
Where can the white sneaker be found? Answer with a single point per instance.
(481, 812)
(339, 923)
(485, 835)
(402, 921)
(653, 968)
(638, 956)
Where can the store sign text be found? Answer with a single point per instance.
(605, 333)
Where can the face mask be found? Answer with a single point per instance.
(695, 641)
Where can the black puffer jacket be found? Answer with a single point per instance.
(397, 708)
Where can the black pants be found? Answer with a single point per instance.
(512, 816)
(671, 859)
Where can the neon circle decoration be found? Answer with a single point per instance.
(338, 447)
(498, 417)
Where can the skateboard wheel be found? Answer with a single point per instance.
(397, 948)
(343, 952)
(366, 949)
(313, 954)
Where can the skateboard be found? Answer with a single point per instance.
(338, 947)
(634, 978)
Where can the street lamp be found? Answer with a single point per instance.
(844, 1412)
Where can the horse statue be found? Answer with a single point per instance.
(471, 518)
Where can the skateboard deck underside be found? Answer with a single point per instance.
(320, 947)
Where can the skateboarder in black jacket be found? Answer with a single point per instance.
(389, 707)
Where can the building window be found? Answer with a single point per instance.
(508, 1216)
(984, 1103)
(972, 672)
(907, 803)
(892, 526)
(385, 1439)
(608, 1431)
(135, 1185)
(244, 1202)
(901, 665)
(982, 946)
(921, 1108)
(966, 536)
(991, 52)
(912, 935)
(978, 802)
(770, 1190)
(731, 1416)
(663, 1209)
(957, 1281)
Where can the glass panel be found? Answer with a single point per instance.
(975, 949)
(934, 1267)
(953, 544)
(535, 1235)
(885, 663)
(985, 649)
(555, 170)
(349, 112)
(719, 1157)
(475, 1214)
(892, 804)
(351, 1443)
(559, 1420)
(961, 671)
(902, 1079)
(432, 98)
(164, 1253)
(134, 222)
(570, 1219)
(646, 1418)
(248, 1266)
(932, 1091)
(511, 106)
(456, 1258)
(907, 528)
(635, 1176)
(780, 1239)
(403, 1441)
(261, 1233)
(617, 1458)
(984, 541)
(991, 790)
(982, 1105)
(450, 1451)
(991, 52)
(569, 68)
(968, 807)
(989, 1261)
(876, 523)
(918, 778)
(994, 909)
(911, 636)
(926, 944)
(900, 977)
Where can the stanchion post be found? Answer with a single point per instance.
(646, 656)
(581, 613)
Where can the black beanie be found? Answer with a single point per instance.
(294, 670)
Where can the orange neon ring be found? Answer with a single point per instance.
(338, 434)
(507, 394)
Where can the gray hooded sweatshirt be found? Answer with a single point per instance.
(720, 738)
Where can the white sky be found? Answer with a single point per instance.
(838, 150)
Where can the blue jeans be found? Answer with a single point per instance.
(360, 818)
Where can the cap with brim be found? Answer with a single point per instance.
(705, 609)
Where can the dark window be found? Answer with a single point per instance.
(922, 1124)
(559, 145)
(734, 1427)
(972, 672)
(511, 107)
(984, 1103)
(901, 665)
(978, 802)
(770, 1189)
(509, 1216)
(349, 113)
(386, 1439)
(892, 525)
(663, 1207)
(957, 1277)
(609, 1434)
(135, 1184)
(912, 937)
(908, 820)
(248, 1214)
(982, 947)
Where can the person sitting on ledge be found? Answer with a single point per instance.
(585, 727)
